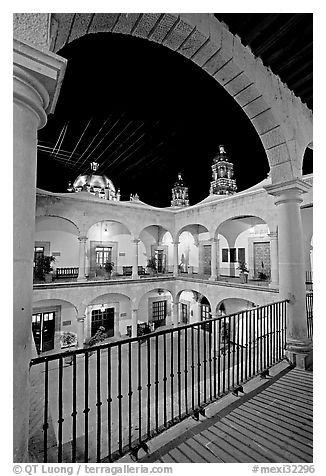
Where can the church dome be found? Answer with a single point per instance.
(99, 185)
(94, 181)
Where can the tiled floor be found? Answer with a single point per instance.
(273, 424)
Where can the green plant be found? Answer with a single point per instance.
(262, 275)
(43, 266)
(98, 337)
(109, 266)
(152, 263)
(243, 267)
(68, 339)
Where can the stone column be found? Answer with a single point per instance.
(175, 259)
(213, 275)
(81, 331)
(135, 259)
(37, 77)
(175, 311)
(274, 259)
(291, 267)
(134, 321)
(82, 258)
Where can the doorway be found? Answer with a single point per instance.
(207, 259)
(103, 317)
(43, 328)
(160, 259)
(262, 259)
(159, 313)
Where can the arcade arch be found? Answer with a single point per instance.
(58, 237)
(245, 239)
(156, 242)
(111, 311)
(194, 249)
(50, 318)
(108, 241)
(208, 43)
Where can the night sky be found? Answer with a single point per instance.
(144, 113)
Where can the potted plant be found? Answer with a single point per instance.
(99, 336)
(262, 273)
(68, 339)
(244, 271)
(109, 268)
(43, 268)
(151, 265)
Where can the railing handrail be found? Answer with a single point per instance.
(58, 355)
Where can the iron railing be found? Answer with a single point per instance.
(309, 313)
(100, 403)
(309, 282)
(66, 273)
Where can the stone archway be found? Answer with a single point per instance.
(277, 115)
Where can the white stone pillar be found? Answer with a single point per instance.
(81, 331)
(82, 258)
(213, 275)
(175, 259)
(36, 79)
(175, 311)
(274, 259)
(291, 267)
(135, 259)
(134, 321)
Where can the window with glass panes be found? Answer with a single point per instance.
(103, 254)
(159, 310)
(38, 253)
(184, 313)
(105, 318)
(43, 330)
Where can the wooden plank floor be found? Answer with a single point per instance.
(274, 425)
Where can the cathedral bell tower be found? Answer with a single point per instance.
(223, 182)
(179, 194)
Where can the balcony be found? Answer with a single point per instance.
(101, 403)
(270, 423)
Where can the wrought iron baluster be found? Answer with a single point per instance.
(60, 407)
(251, 349)
(225, 339)
(148, 387)
(210, 360)
(219, 357)
(74, 408)
(238, 343)
(86, 409)
(186, 370)
(172, 376)
(164, 380)
(109, 400)
(192, 369)
(46, 412)
(139, 392)
(234, 351)
(156, 384)
(214, 355)
(179, 375)
(198, 365)
(120, 396)
(229, 353)
(129, 393)
(98, 405)
(205, 359)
